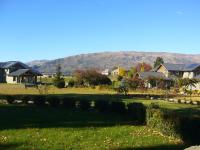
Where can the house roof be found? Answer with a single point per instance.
(198, 76)
(180, 67)
(20, 72)
(9, 64)
(151, 74)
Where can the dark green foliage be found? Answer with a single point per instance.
(53, 101)
(39, 100)
(138, 112)
(10, 98)
(71, 83)
(69, 102)
(118, 107)
(102, 105)
(84, 104)
(173, 124)
(25, 98)
(153, 106)
(159, 61)
(91, 77)
(59, 81)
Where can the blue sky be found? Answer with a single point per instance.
(48, 29)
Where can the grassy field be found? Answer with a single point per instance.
(31, 128)
(40, 128)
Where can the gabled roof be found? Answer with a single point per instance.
(180, 67)
(144, 75)
(20, 72)
(9, 64)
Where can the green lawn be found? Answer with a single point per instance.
(33, 128)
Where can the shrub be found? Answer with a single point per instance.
(25, 98)
(154, 106)
(84, 104)
(163, 120)
(71, 83)
(118, 107)
(138, 112)
(53, 101)
(39, 100)
(102, 105)
(69, 102)
(59, 83)
(10, 98)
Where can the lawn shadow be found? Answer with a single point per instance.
(19, 117)
(158, 147)
(9, 146)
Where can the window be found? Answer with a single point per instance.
(14, 78)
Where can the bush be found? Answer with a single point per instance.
(138, 112)
(154, 106)
(69, 102)
(59, 83)
(173, 124)
(39, 100)
(102, 105)
(10, 98)
(84, 104)
(25, 98)
(118, 107)
(71, 83)
(53, 101)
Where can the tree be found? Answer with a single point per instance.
(158, 62)
(142, 67)
(59, 81)
(122, 72)
(91, 77)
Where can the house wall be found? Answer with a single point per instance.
(188, 75)
(10, 80)
(163, 70)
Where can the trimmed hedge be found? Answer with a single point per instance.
(68, 102)
(10, 99)
(173, 124)
(118, 107)
(53, 101)
(39, 100)
(84, 104)
(102, 105)
(138, 112)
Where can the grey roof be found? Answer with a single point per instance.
(23, 71)
(9, 64)
(198, 76)
(181, 67)
(151, 74)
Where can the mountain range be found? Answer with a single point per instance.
(109, 60)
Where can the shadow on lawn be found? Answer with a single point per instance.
(159, 147)
(9, 146)
(19, 117)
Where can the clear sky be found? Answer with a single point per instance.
(48, 29)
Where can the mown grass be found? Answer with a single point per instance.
(42, 128)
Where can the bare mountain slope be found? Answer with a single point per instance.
(110, 59)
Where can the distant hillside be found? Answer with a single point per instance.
(109, 60)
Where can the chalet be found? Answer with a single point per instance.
(170, 72)
(17, 72)
(179, 70)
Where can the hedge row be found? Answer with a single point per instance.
(174, 124)
(72, 103)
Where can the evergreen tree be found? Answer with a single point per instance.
(59, 81)
(159, 61)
